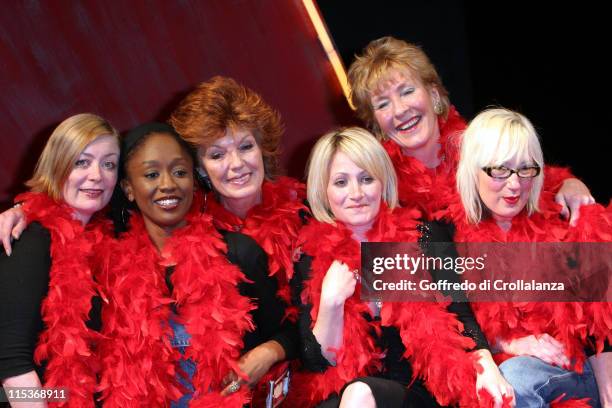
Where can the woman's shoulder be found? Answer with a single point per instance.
(241, 246)
(438, 230)
(30, 260)
(34, 241)
(286, 188)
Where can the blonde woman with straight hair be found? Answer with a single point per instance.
(399, 95)
(47, 324)
(559, 350)
(352, 190)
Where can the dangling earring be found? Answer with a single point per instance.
(204, 179)
(438, 109)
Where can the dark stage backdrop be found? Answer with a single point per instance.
(133, 61)
(549, 63)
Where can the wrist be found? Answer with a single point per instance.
(274, 352)
(483, 360)
(331, 303)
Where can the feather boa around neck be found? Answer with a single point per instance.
(326, 243)
(139, 365)
(575, 324)
(274, 225)
(417, 184)
(360, 355)
(428, 188)
(66, 343)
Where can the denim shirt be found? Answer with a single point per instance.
(181, 340)
(187, 367)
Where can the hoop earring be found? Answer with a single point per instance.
(204, 179)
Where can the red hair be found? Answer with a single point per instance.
(221, 103)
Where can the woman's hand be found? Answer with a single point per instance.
(602, 368)
(338, 284)
(490, 379)
(571, 196)
(254, 364)
(544, 347)
(12, 224)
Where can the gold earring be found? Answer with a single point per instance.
(438, 109)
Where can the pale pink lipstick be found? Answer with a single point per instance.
(92, 192)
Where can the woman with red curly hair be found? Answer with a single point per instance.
(237, 135)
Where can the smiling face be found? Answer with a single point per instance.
(160, 181)
(404, 110)
(234, 164)
(505, 198)
(353, 194)
(90, 184)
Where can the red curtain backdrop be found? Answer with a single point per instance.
(133, 61)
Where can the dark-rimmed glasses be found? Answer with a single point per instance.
(503, 172)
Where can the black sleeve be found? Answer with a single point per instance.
(437, 241)
(590, 350)
(24, 280)
(244, 252)
(310, 349)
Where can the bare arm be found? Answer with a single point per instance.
(29, 379)
(338, 285)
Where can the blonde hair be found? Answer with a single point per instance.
(377, 63)
(364, 150)
(63, 148)
(492, 138)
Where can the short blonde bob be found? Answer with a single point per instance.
(494, 137)
(381, 59)
(62, 150)
(364, 150)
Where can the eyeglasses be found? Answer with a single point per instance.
(502, 172)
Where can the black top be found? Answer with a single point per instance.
(437, 241)
(244, 252)
(24, 282)
(395, 366)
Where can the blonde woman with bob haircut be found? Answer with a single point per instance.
(352, 189)
(398, 93)
(493, 138)
(364, 151)
(47, 333)
(499, 198)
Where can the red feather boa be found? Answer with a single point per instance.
(138, 362)
(417, 184)
(66, 343)
(427, 330)
(569, 322)
(274, 225)
(425, 188)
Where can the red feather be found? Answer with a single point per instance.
(66, 344)
(274, 225)
(138, 361)
(424, 327)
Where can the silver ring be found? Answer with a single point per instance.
(234, 386)
(356, 275)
